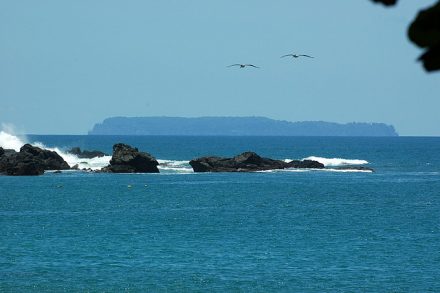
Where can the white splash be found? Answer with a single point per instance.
(95, 163)
(174, 166)
(336, 162)
(8, 138)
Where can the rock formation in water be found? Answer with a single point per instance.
(127, 159)
(30, 161)
(86, 154)
(247, 162)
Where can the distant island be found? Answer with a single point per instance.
(235, 126)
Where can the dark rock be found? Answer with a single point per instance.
(16, 164)
(30, 161)
(247, 162)
(86, 154)
(49, 159)
(2, 151)
(127, 159)
(8, 152)
(305, 164)
(25, 168)
(75, 167)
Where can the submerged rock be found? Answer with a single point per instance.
(127, 159)
(247, 162)
(86, 154)
(30, 161)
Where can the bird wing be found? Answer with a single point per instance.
(286, 55)
(251, 65)
(234, 65)
(306, 56)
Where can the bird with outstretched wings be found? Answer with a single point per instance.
(297, 56)
(243, 65)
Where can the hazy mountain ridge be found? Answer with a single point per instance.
(235, 126)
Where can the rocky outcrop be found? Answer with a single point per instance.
(50, 160)
(30, 161)
(127, 159)
(247, 162)
(305, 164)
(86, 154)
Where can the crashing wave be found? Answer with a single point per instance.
(336, 162)
(95, 163)
(9, 141)
(174, 166)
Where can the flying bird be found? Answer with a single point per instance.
(244, 65)
(296, 55)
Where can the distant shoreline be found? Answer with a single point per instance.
(235, 126)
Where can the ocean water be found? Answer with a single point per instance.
(281, 231)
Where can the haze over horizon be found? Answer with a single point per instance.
(65, 66)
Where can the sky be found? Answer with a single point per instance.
(66, 65)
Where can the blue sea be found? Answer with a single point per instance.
(178, 231)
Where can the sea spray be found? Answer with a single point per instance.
(172, 166)
(9, 141)
(336, 162)
(95, 163)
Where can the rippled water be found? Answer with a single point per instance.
(309, 231)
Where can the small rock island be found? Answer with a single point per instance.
(127, 159)
(247, 162)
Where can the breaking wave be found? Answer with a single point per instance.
(95, 163)
(9, 141)
(336, 162)
(171, 166)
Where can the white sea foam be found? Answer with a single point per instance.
(10, 141)
(336, 162)
(174, 166)
(95, 163)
